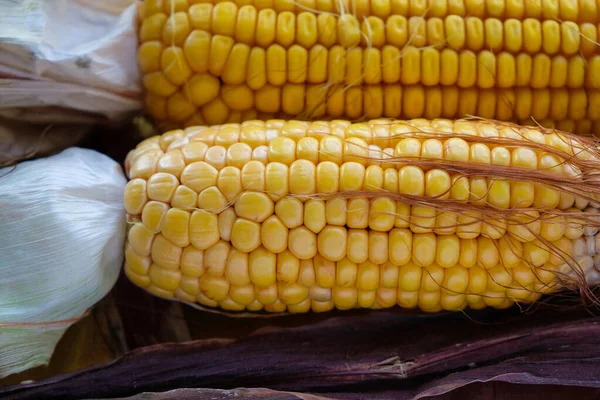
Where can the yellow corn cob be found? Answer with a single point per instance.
(299, 216)
(217, 61)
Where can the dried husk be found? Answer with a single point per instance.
(481, 391)
(21, 141)
(72, 61)
(383, 353)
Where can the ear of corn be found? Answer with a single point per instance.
(297, 216)
(231, 61)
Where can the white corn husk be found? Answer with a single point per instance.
(69, 60)
(62, 229)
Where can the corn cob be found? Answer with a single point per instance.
(298, 216)
(507, 60)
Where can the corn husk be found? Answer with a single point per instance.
(68, 60)
(479, 391)
(61, 249)
(21, 141)
(366, 355)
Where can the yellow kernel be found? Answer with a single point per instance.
(302, 242)
(358, 245)
(274, 234)
(152, 27)
(254, 206)
(358, 213)
(192, 261)
(224, 18)
(215, 258)
(432, 278)
(204, 230)
(175, 227)
(346, 273)
(332, 242)
(243, 295)
(288, 267)
(266, 295)
(368, 276)
(282, 150)
(409, 277)
(345, 298)
(245, 235)
(135, 196)
(302, 177)
(136, 263)
(140, 238)
(176, 29)
(411, 180)
(199, 176)
(325, 278)
(314, 215)
(163, 278)
(327, 176)
(262, 264)
(348, 30)
(236, 268)
(291, 212)
(214, 288)
(378, 247)
(400, 246)
(424, 249)
(447, 250)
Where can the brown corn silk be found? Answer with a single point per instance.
(527, 62)
(292, 216)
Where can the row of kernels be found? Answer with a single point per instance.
(165, 69)
(576, 110)
(304, 178)
(401, 245)
(380, 214)
(466, 69)
(213, 192)
(564, 10)
(227, 145)
(380, 133)
(170, 249)
(283, 148)
(440, 101)
(348, 298)
(263, 28)
(568, 10)
(365, 285)
(529, 35)
(264, 268)
(417, 101)
(495, 286)
(211, 291)
(395, 101)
